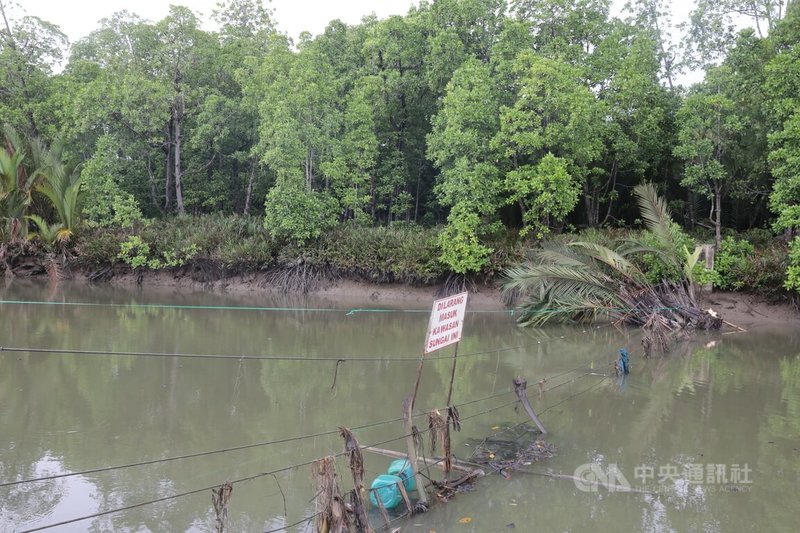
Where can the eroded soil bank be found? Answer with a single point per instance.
(743, 309)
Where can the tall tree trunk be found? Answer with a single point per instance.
(416, 196)
(178, 186)
(718, 215)
(152, 181)
(169, 165)
(592, 203)
(249, 187)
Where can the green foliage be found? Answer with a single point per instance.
(28, 166)
(461, 249)
(535, 115)
(137, 254)
(61, 185)
(734, 263)
(583, 280)
(98, 247)
(792, 282)
(653, 264)
(134, 252)
(547, 192)
(48, 234)
(297, 214)
(396, 253)
(106, 204)
(709, 124)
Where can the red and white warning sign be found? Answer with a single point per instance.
(447, 319)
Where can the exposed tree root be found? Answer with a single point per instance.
(300, 277)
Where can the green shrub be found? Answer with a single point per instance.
(400, 252)
(792, 282)
(99, 247)
(654, 268)
(293, 213)
(134, 252)
(734, 264)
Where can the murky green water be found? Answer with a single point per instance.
(733, 404)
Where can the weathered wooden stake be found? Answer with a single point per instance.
(386, 520)
(452, 376)
(406, 499)
(412, 447)
(331, 515)
(520, 388)
(419, 378)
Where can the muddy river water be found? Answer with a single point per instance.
(709, 437)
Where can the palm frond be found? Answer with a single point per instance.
(655, 213)
(611, 259)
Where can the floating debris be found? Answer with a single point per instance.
(512, 447)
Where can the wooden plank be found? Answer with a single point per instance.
(432, 461)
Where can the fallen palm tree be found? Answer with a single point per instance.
(584, 282)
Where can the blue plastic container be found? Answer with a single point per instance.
(385, 488)
(402, 468)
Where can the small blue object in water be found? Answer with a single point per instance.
(385, 487)
(623, 363)
(402, 468)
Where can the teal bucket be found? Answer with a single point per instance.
(402, 468)
(385, 488)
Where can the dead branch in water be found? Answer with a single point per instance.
(356, 462)
(331, 514)
(220, 497)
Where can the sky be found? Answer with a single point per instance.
(77, 18)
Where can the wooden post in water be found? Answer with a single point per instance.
(416, 385)
(452, 377)
(520, 388)
(408, 428)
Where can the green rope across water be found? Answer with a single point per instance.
(348, 312)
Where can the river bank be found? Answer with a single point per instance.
(743, 309)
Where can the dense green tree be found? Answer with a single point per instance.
(30, 48)
(477, 114)
(554, 113)
(470, 181)
(709, 124)
(654, 18)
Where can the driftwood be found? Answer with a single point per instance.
(520, 389)
(662, 311)
(220, 496)
(445, 489)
